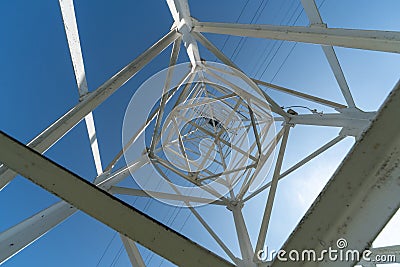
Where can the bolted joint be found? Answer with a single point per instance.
(185, 26)
(150, 153)
(84, 96)
(318, 25)
(288, 123)
(234, 204)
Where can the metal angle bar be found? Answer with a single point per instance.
(214, 235)
(367, 181)
(205, 187)
(246, 182)
(349, 120)
(301, 95)
(133, 252)
(89, 120)
(222, 140)
(71, 30)
(228, 172)
(105, 181)
(217, 136)
(274, 106)
(148, 193)
(58, 129)
(270, 149)
(138, 133)
(26, 232)
(271, 195)
(181, 14)
(339, 75)
(74, 44)
(314, 16)
(246, 248)
(206, 101)
(193, 163)
(200, 219)
(104, 207)
(16, 238)
(385, 41)
(312, 155)
(298, 164)
(211, 47)
(256, 136)
(173, 58)
(219, 54)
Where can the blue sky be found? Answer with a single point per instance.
(38, 87)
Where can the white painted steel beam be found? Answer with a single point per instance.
(74, 44)
(133, 252)
(362, 195)
(314, 154)
(181, 14)
(224, 59)
(172, 62)
(24, 233)
(354, 121)
(315, 20)
(385, 41)
(221, 56)
(245, 245)
(104, 207)
(213, 49)
(58, 129)
(271, 194)
(301, 95)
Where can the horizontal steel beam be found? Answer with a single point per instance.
(105, 207)
(300, 94)
(362, 195)
(386, 41)
(354, 121)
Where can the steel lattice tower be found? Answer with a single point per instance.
(211, 136)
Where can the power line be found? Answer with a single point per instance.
(107, 247)
(291, 50)
(237, 20)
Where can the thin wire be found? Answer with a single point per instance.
(243, 40)
(117, 256)
(269, 41)
(281, 43)
(291, 50)
(107, 247)
(184, 223)
(275, 42)
(237, 20)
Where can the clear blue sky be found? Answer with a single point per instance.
(38, 86)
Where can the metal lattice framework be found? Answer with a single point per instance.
(368, 179)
